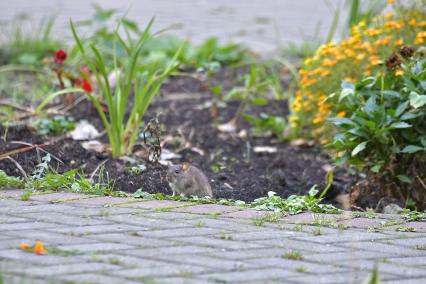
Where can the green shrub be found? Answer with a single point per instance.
(384, 133)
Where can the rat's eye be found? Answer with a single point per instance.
(176, 172)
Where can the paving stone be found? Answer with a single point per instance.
(63, 219)
(364, 223)
(124, 261)
(96, 229)
(384, 268)
(417, 226)
(182, 249)
(265, 235)
(207, 261)
(30, 258)
(100, 201)
(246, 214)
(377, 246)
(219, 243)
(97, 247)
(101, 211)
(18, 207)
(343, 237)
(175, 216)
(407, 242)
(155, 204)
(94, 278)
(132, 239)
(208, 209)
(10, 193)
(293, 265)
(169, 270)
(50, 197)
(49, 238)
(409, 261)
(180, 280)
(180, 232)
(71, 269)
(144, 222)
(344, 277)
(27, 226)
(251, 275)
(355, 255)
(294, 244)
(9, 220)
(248, 254)
(406, 281)
(225, 224)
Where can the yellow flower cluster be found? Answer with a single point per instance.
(362, 54)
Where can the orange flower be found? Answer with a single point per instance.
(39, 248)
(24, 246)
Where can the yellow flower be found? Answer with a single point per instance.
(360, 56)
(390, 2)
(389, 15)
(318, 120)
(24, 246)
(399, 72)
(341, 114)
(399, 42)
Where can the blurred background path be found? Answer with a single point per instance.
(260, 24)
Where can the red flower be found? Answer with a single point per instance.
(84, 84)
(60, 56)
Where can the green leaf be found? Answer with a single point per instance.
(398, 125)
(376, 168)
(401, 108)
(404, 178)
(341, 121)
(410, 149)
(417, 100)
(360, 147)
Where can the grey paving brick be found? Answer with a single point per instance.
(17, 207)
(180, 280)
(144, 222)
(28, 226)
(343, 237)
(57, 196)
(124, 261)
(266, 235)
(258, 275)
(344, 277)
(182, 249)
(30, 258)
(337, 257)
(407, 242)
(208, 209)
(132, 239)
(406, 281)
(207, 261)
(296, 244)
(49, 238)
(409, 261)
(384, 267)
(96, 229)
(293, 265)
(93, 278)
(219, 243)
(9, 219)
(100, 201)
(163, 271)
(175, 216)
(66, 269)
(379, 247)
(63, 219)
(180, 232)
(97, 247)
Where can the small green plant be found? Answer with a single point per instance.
(274, 217)
(136, 170)
(423, 247)
(26, 195)
(301, 269)
(385, 135)
(405, 229)
(293, 255)
(55, 125)
(53, 250)
(374, 278)
(295, 204)
(412, 216)
(9, 181)
(143, 81)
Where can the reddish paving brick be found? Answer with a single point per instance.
(104, 200)
(10, 193)
(57, 196)
(155, 204)
(246, 214)
(208, 209)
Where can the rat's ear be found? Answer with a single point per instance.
(185, 166)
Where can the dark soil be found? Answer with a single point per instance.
(190, 130)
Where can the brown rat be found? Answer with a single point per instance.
(188, 180)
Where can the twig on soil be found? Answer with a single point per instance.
(18, 166)
(92, 176)
(74, 104)
(37, 147)
(421, 182)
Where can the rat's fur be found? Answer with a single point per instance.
(188, 180)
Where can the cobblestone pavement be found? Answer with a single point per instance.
(122, 240)
(260, 24)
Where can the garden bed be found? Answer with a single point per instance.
(190, 130)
